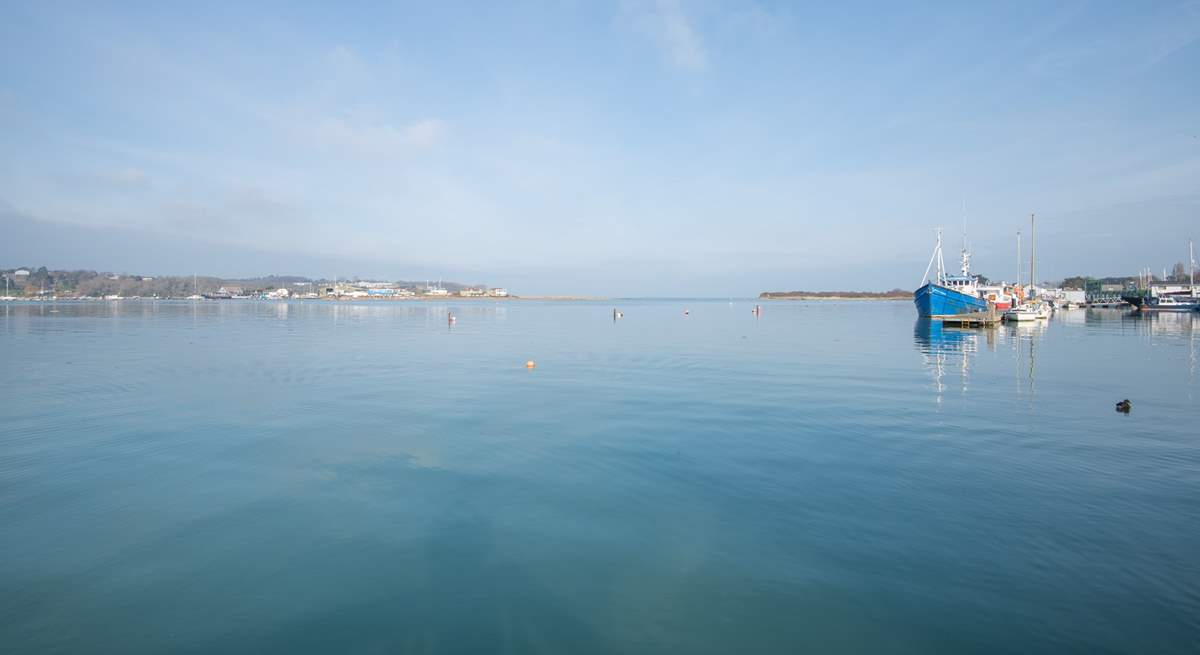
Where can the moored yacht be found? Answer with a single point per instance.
(1021, 313)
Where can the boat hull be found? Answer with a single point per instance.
(1170, 308)
(936, 300)
(1163, 304)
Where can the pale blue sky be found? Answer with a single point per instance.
(630, 148)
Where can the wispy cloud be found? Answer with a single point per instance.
(132, 177)
(668, 26)
(1146, 40)
(376, 138)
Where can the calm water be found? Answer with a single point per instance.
(830, 478)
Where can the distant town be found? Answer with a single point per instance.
(42, 284)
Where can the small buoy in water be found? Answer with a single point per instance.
(1124, 406)
(686, 312)
(453, 318)
(530, 364)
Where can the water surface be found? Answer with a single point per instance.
(830, 477)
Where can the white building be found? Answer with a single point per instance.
(498, 292)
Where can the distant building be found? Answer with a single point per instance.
(437, 292)
(235, 291)
(498, 292)
(21, 273)
(470, 292)
(147, 279)
(381, 292)
(1072, 295)
(279, 294)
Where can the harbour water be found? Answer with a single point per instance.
(828, 477)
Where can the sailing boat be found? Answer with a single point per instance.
(1034, 308)
(947, 294)
(195, 289)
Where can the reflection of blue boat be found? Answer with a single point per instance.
(947, 295)
(931, 337)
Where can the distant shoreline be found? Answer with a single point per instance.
(344, 298)
(894, 294)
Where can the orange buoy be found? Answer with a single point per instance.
(530, 364)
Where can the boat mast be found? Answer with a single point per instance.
(1018, 259)
(1032, 256)
(1191, 264)
(936, 257)
(941, 262)
(966, 254)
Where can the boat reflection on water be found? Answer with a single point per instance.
(945, 349)
(1023, 339)
(1169, 328)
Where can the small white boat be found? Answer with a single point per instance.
(1020, 314)
(1027, 312)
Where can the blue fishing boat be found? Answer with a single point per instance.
(945, 294)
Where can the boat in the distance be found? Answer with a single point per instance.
(1168, 296)
(1002, 295)
(945, 294)
(1170, 303)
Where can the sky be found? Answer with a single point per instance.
(663, 148)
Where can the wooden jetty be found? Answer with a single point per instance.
(990, 318)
